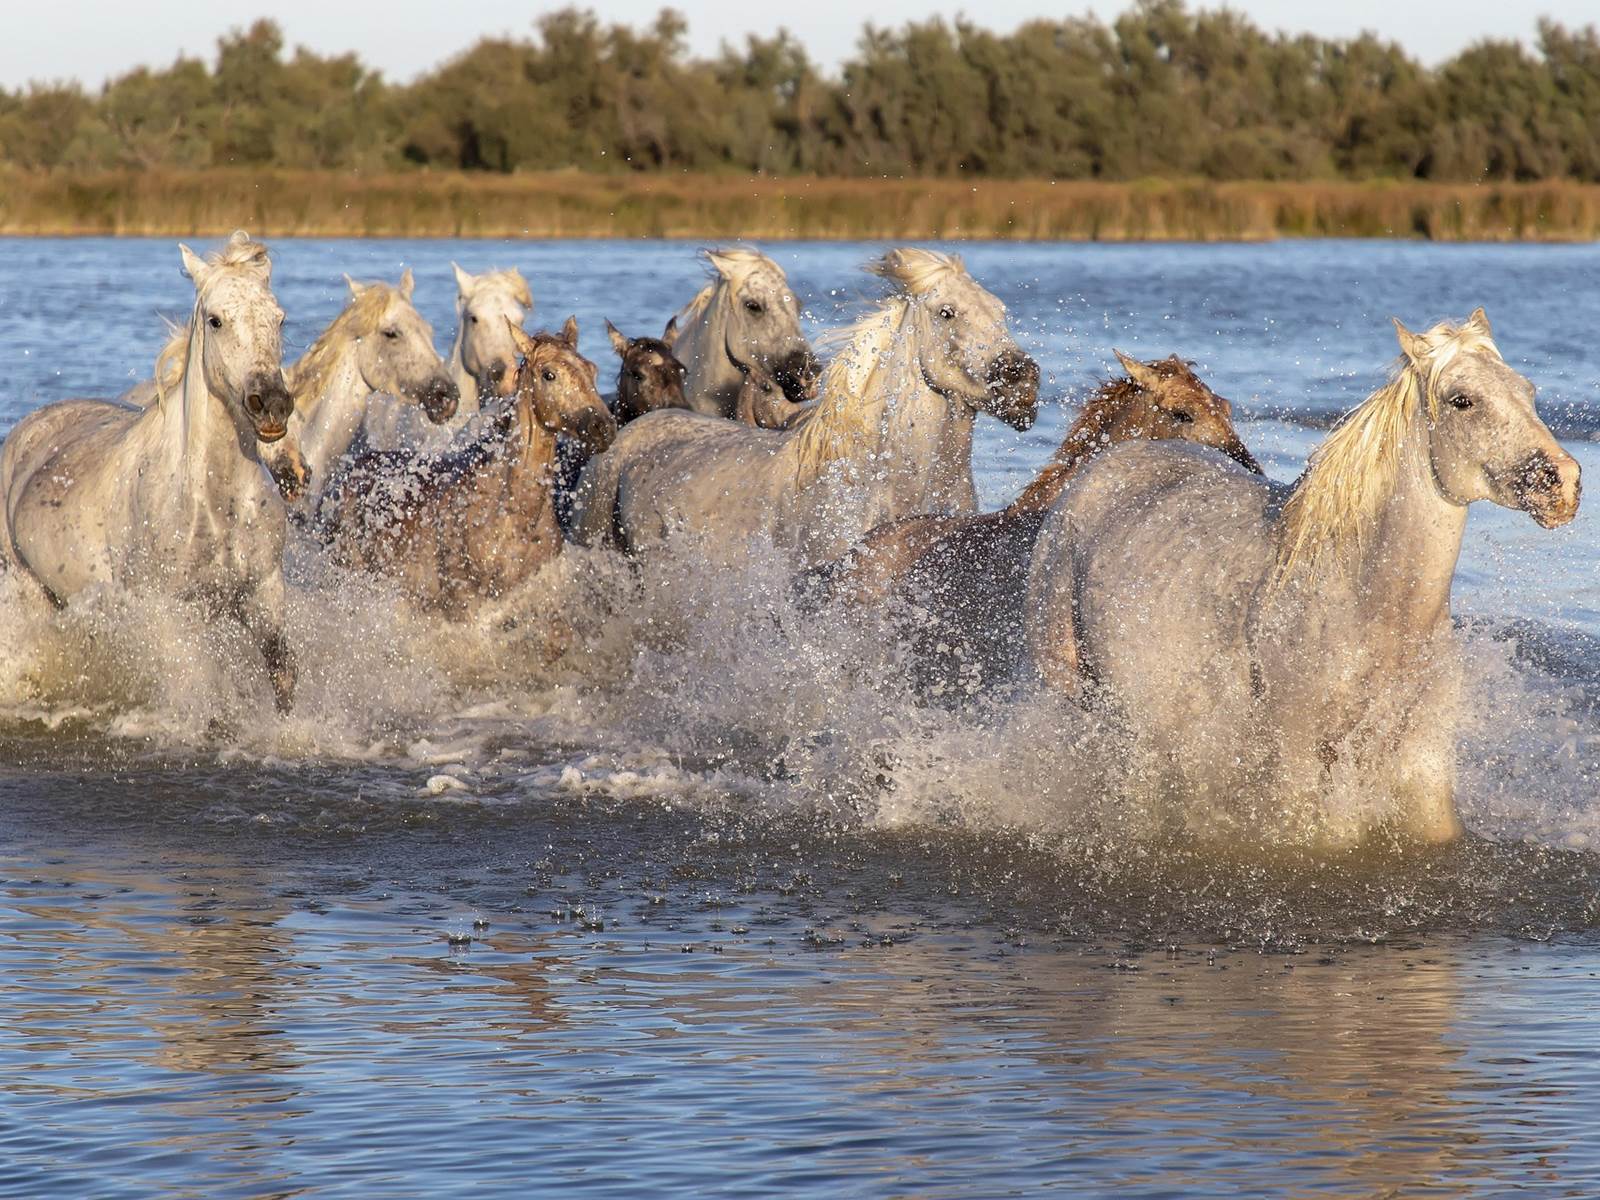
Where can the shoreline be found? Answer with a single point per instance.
(574, 205)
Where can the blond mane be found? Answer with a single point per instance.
(360, 318)
(871, 363)
(1352, 474)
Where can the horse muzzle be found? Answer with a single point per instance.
(269, 405)
(290, 472)
(798, 375)
(1013, 389)
(594, 429)
(498, 379)
(439, 399)
(1547, 487)
(1240, 453)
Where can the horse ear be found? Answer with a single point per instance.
(669, 335)
(1137, 371)
(193, 265)
(720, 263)
(569, 332)
(1410, 344)
(1478, 322)
(464, 281)
(408, 284)
(520, 338)
(355, 288)
(619, 343)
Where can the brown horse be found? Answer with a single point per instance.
(650, 376)
(470, 525)
(761, 401)
(964, 576)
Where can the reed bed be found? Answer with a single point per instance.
(279, 203)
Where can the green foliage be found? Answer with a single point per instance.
(1162, 90)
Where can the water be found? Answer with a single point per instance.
(711, 907)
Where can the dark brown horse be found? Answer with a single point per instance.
(470, 525)
(964, 577)
(650, 376)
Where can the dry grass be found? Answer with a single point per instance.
(570, 204)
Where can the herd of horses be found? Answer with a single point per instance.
(1265, 640)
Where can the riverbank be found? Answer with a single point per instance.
(277, 203)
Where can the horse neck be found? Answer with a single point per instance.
(702, 348)
(330, 418)
(469, 404)
(201, 444)
(1400, 575)
(915, 443)
(527, 462)
(1084, 439)
(1405, 572)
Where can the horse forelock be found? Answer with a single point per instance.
(915, 270)
(737, 264)
(240, 252)
(510, 281)
(1351, 475)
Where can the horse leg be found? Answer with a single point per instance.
(1051, 625)
(261, 614)
(1425, 771)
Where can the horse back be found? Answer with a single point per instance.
(1154, 553)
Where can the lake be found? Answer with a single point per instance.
(715, 908)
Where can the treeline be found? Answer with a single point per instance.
(1160, 91)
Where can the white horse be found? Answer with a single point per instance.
(380, 345)
(482, 354)
(746, 314)
(172, 497)
(1268, 642)
(891, 437)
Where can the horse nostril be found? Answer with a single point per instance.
(253, 404)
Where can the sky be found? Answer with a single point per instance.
(92, 40)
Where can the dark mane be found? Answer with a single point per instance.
(1085, 437)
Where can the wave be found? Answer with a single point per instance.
(675, 684)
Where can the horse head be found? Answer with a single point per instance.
(650, 376)
(485, 305)
(556, 387)
(240, 327)
(1485, 438)
(1168, 400)
(966, 353)
(396, 355)
(761, 319)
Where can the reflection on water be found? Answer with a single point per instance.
(605, 1001)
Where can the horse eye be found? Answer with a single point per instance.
(214, 321)
(637, 375)
(548, 375)
(947, 313)
(1460, 402)
(1183, 416)
(753, 305)
(473, 318)
(391, 334)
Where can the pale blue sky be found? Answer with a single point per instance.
(93, 39)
